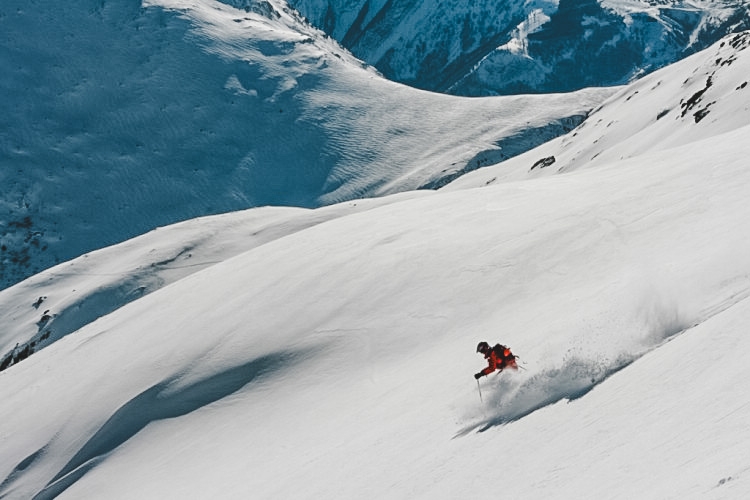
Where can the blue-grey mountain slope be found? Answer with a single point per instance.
(121, 116)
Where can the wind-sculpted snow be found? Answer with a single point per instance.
(119, 117)
(47, 307)
(164, 400)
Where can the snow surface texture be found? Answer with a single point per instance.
(486, 47)
(329, 353)
(159, 112)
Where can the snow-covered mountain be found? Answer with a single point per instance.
(486, 47)
(328, 353)
(118, 117)
(656, 114)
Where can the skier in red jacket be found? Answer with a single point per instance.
(498, 358)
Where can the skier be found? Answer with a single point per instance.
(498, 358)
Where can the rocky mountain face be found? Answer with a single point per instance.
(486, 47)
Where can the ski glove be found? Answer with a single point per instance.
(478, 375)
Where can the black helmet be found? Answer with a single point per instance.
(483, 347)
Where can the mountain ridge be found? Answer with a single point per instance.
(198, 109)
(486, 48)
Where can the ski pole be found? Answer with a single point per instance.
(480, 392)
(521, 367)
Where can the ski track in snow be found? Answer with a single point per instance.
(510, 396)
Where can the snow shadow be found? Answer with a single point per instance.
(19, 469)
(512, 396)
(161, 402)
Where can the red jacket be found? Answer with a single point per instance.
(495, 362)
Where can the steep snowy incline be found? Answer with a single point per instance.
(119, 117)
(704, 95)
(485, 47)
(335, 362)
(48, 306)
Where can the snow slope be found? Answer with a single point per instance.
(331, 353)
(700, 97)
(64, 302)
(159, 112)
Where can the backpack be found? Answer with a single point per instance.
(503, 353)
